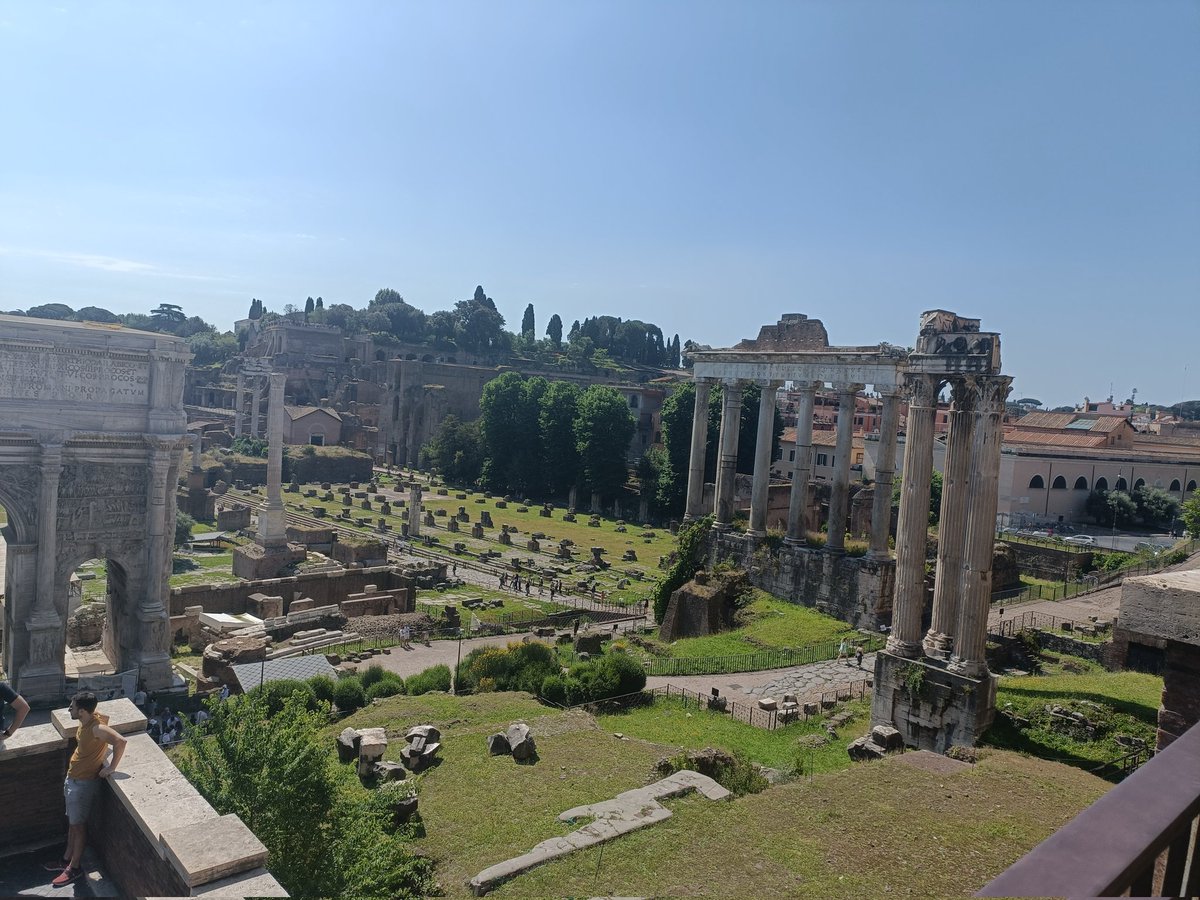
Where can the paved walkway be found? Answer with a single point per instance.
(803, 681)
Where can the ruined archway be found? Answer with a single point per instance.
(91, 436)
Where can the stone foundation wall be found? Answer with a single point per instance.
(325, 589)
(933, 709)
(1050, 562)
(33, 763)
(1180, 708)
(854, 589)
(255, 563)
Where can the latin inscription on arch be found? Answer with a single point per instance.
(75, 377)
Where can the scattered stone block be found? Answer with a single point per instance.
(497, 744)
(863, 748)
(520, 741)
(347, 745)
(887, 737)
(389, 771)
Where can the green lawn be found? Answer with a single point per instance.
(672, 723)
(767, 623)
(527, 523)
(201, 567)
(865, 831)
(1118, 703)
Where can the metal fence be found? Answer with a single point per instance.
(812, 707)
(757, 662)
(1094, 581)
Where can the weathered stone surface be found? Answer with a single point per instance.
(520, 741)
(626, 812)
(590, 643)
(498, 745)
(864, 748)
(213, 850)
(887, 737)
(403, 810)
(347, 745)
(429, 732)
(388, 771)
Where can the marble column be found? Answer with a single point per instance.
(952, 519)
(885, 470)
(42, 675)
(970, 636)
(160, 534)
(764, 448)
(839, 491)
(255, 403)
(912, 531)
(696, 460)
(272, 524)
(239, 405)
(20, 587)
(731, 415)
(801, 466)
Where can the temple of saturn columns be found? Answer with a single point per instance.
(932, 680)
(91, 440)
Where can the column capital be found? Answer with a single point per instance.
(52, 455)
(728, 383)
(991, 392)
(921, 389)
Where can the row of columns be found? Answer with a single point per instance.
(731, 410)
(963, 576)
(239, 406)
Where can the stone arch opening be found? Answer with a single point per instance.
(1102, 483)
(1081, 483)
(1122, 484)
(1037, 483)
(113, 586)
(1175, 485)
(1139, 484)
(1191, 485)
(1060, 483)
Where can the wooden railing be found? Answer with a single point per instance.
(1140, 838)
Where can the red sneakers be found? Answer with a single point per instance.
(67, 876)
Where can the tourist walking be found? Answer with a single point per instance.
(89, 763)
(858, 654)
(844, 652)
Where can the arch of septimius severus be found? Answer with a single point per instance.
(91, 438)
(932, 680)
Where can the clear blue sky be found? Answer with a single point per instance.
(705, 166)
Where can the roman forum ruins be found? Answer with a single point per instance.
(944, 656)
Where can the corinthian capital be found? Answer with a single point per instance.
(921, 390)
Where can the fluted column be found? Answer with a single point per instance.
(839, 491)
(695, 488)
(952, 519)
(912, 531)
(763, 448)
(731, 415)
(255, 403)
(970, 637)
(801, 466)
(272, 525)
(239, 405)
(885, 470)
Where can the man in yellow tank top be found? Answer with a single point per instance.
(88, 765)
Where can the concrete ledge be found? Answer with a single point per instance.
(123, 718)
(210, 851)
(155, 793)
(626, 812)
(251, 884)
(30, 740)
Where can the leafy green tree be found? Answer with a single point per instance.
(1190, 513)
(1111, 507)
(456, 451)
(256, 309)
(168, 312)
(558, 408)
(748, 429)
(50, 311)
(603, 429)
(320, 304)
(309, 306)
(276, 775)
(528, 328)
(183, 528)
(554, 331)
(689, 559)
(677, 412)
(501, 415)
(1155, 506)
(209, 347)
(95, 314)
(651, 471)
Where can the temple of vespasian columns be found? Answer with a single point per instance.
(932, 680)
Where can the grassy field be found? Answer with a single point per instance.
(767, 623)
(674, 724)
(1117, 703)
(862, 832)
(615, 543)
(201, 567)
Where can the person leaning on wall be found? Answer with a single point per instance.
(10, 697)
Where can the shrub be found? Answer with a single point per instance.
(371, 675)
(435, 678)
(517, 667)
(276, 692)
(611, 675)
(322, 686)
(386, 687)
(348, 694)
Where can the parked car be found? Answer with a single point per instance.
(1080, 540)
